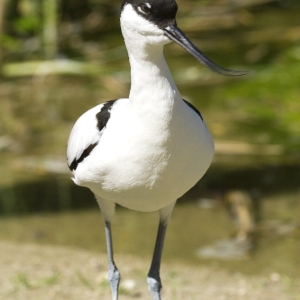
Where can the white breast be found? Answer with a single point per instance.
(145, 168)
(154, 147)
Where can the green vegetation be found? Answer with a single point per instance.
(265, 107)
(39, 106)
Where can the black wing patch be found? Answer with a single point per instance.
(102, 118)
(193, 108)
(104, 114)
(85, 153)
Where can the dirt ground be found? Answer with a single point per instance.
(37, 272)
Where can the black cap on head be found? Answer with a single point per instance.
(163, 13)
(159, 12)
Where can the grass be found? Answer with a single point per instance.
(180, 281)
(29, 281)
(84, 280)
(22, 279)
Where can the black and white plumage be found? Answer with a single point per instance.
(102, 118)
(145, 151)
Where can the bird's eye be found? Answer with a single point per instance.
(145, 8)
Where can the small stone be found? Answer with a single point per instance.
(128, 284)
(274, 277)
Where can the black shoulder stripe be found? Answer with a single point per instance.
(102, 118)
(193, 108)
(104, 114)
(85, 153)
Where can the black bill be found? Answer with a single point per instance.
(175, 34)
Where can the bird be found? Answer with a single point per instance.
(145, 151)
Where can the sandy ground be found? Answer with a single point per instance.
(37, 272)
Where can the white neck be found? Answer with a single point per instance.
(151, 81)
(153, 91)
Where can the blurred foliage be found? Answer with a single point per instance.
(266, 106)
(262, 35)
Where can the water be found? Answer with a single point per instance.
(54, 211)
(191, 228)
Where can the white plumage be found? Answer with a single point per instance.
(154, 147)
(146, 151)
(83, 134)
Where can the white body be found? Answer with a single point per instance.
(154, 147)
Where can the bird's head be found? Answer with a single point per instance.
(150, 24)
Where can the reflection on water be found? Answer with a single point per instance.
(46, 194)
(57, 192)
(47, 211)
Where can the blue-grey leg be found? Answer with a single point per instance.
(153, 280)
(113, 272)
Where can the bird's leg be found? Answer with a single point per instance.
(153, 280)
(113, 272)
